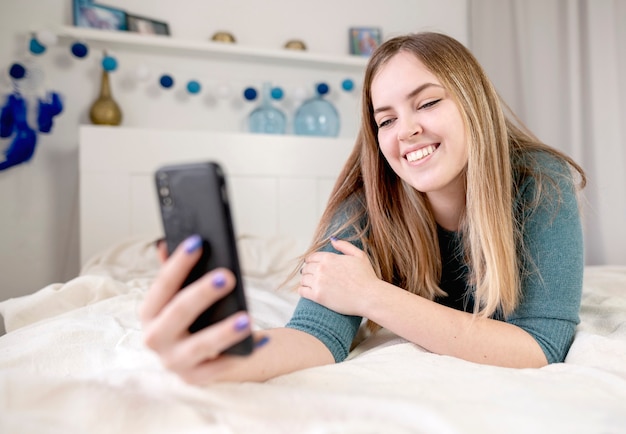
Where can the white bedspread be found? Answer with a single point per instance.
(73, 362)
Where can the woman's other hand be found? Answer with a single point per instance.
(339, 282)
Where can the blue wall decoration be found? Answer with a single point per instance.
(109, 63)
(193, 87)
(312, 115)
(13, 122)
(35, 46)
(250, 93)
(166, 81)
(79, 49)
(14, 113)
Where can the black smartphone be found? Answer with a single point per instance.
(193, 199)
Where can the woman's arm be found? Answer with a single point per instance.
(444, 330)
(166, 314)
(286, 351)
(347, 284)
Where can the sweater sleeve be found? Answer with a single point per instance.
(335, 330)
(552, 281)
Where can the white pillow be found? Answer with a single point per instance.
(268, 256)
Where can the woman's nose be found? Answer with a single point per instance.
(409, 127)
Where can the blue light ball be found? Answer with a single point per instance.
(193, 87)
(322, 88)
(347, 85)
(250, 93)
(277, 93)
(17, 71)
(109, 63)
(36, 47)
(166, 81)
(79, 50)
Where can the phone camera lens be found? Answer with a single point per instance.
(164, 191)
(167, 201)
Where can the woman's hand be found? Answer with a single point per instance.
(167, 313)
(339, 282)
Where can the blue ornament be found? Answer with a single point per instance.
(13, 121)
(322, 88)
(79, 49)
(277, 93)
(109, 63)
(35, 46)
(166, 81)
(193, 87)
(347, 84)
(250, 94)
(49, 107)
(17, 71)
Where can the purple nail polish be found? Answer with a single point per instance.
(261, 342)
(333, 238)
(219, 280)
(242, 323)
(192, 243)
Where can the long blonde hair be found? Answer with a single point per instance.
(394, 222)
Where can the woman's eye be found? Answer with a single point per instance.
(385, 123)
(429, 104)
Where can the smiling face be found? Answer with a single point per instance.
(420, 130)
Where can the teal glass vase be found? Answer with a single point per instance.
(317, 116)
(267, 119)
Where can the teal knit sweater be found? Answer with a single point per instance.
(551, 281)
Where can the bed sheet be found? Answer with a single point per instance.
(73, 361)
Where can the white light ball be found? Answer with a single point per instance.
(223, 91)
(299, 93)
(142, 73)
(46, 37)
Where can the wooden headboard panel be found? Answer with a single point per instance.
(278, 185)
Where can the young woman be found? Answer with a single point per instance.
(450, 225)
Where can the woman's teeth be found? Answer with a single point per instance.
(420, 153)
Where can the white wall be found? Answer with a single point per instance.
(38, 211)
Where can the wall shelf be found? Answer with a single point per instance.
(209, 49)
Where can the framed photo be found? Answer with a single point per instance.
(147, 26)
(364, 40)
(96, 16)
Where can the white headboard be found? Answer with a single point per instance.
(279, 185)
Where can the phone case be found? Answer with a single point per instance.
(194, 200)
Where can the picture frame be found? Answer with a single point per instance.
(364, 40)
(146, 26)
(96, 16)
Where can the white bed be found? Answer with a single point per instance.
(72, 360)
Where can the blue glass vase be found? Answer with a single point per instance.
(317, 117)
(266, 118)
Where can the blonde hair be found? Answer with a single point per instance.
(394, 222)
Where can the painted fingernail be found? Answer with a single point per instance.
(333, 238)
(242, 323)
(219, 280)
(192, 243)
(261, 342)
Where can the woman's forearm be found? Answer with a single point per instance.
(287, 350)
(443, 330)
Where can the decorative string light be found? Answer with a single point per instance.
(166, 81)
(79, 50)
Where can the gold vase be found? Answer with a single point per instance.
(104, 110)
